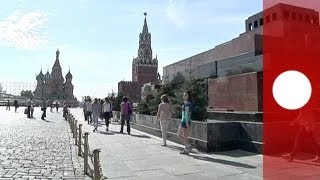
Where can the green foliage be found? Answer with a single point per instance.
(198, 96)
(27, 94)
(116, 101)
(144, 107)
(149, 106)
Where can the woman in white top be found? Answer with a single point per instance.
(164, 115)
(107, 112)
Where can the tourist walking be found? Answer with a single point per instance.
(29, 107)
(101, 102)
(107, 112)
(185, 126)
(84, 108)
(89, 111)
(126, 111)
(51, 107)
(164, 115)
(96, 111)
(8, 105)
(65, 111)
(16, 105)
(305, 125)
(57, 105)
(43, 109)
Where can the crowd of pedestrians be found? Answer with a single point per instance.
(102, 109)
(30, 106)
(15, 104)
(99, 108)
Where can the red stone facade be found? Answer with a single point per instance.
(238, 93)
(130, 89)
(147, 74)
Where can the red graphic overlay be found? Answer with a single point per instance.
(291, 41)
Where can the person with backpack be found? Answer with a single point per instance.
(164, 116)
(126, 112)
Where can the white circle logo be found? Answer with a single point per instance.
(291, 90)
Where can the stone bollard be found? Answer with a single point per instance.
(75, 132)
(96, 164)
(86, 153)
(79, 140)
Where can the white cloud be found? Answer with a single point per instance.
(177, 12)
(24, 30)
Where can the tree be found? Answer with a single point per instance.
(27, 94)
(144, 107)
(150, 105)
(116, 101)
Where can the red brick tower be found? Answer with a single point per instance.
(144, 67)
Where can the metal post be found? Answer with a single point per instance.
(73, 127)
(85, 154)
(71, 124)
(96, 164)
(75, 132)
(80, 137)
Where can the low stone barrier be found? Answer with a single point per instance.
(211, 135)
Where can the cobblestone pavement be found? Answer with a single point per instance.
(37, 149)
(141, 156)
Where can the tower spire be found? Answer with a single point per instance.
(145, 26)
(57, 54)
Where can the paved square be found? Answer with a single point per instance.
(37, 149)
(141, 156)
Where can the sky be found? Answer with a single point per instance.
(98, 39)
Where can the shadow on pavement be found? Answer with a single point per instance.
(116, 132)
(235, 154)
(215, 160)
(221, 161)
(105, 133)
(140, 136)
(179, 148)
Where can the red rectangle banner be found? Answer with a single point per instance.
(291, 91)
